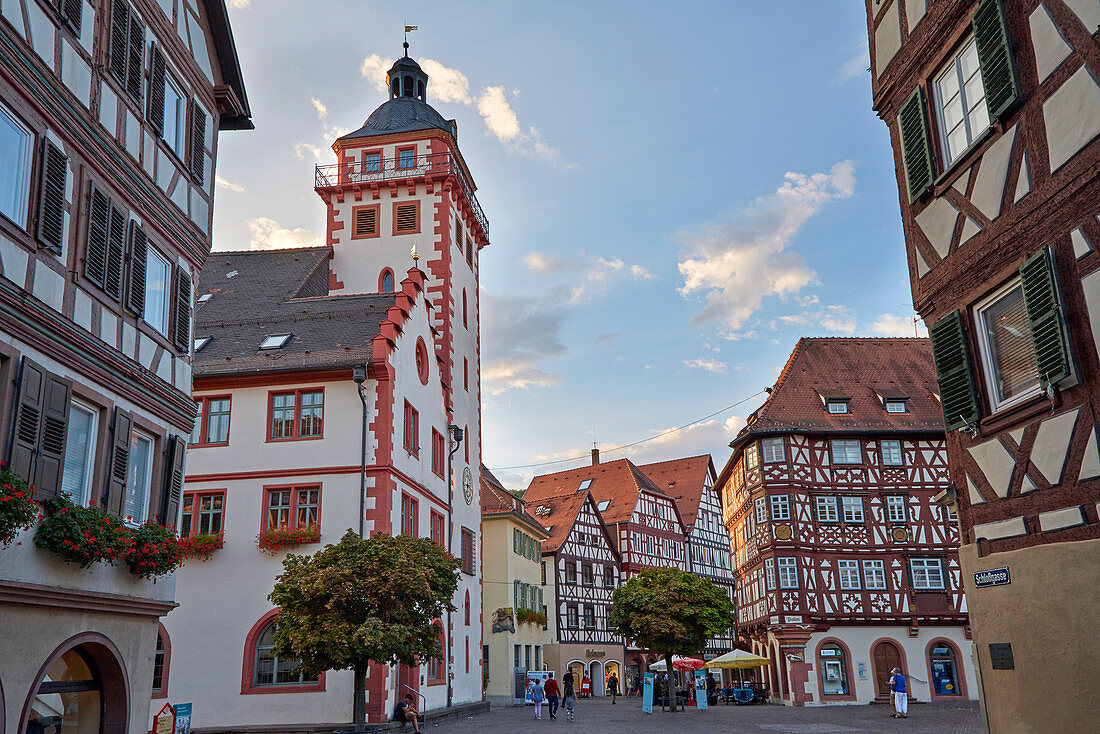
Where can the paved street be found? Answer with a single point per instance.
(594, 717)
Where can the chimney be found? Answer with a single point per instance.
(595, 456)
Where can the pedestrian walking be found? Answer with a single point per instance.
(901, 696)
(613, 686)
(552, 694)
(638, 685)
(537, 693)
(569, 696)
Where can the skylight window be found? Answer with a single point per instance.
(231, 274)
(200, 342)
(602, 507)
(205, 297)
(275, 341)
(584, 485)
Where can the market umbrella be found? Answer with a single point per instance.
(739, 660)
(688, 664)
(660, 667)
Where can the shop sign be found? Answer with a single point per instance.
(792, 619)
(829, 652)
(992, 577)
(597, 654)
(165, 721)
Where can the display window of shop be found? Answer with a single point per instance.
(834, 670)
(81, 688)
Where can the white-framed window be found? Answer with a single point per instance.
(927, 573)
(773, 451)
(788, 573)
(748, 525)
(80, 440)
(891, 452)
(837, 406)
(781, 507)
(895, 405)
(761, 510)
(874, 574)
(848, 574)
(959, 94)
(158, 277)
(826, 509)
(138, 478)
(1004, 341)
(16, 151)
(752, 456)
(895, 508)
(769, 574)
(847, 451)
(853, 508)
(175, 116)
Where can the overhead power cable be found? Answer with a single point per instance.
(635, 443)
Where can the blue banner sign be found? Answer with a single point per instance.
(701, 689)
(183, 718)
(647, 692)
(992, 577)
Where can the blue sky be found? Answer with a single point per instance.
(676, 194)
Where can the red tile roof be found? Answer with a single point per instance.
(683, 480)
(864, 370)
(496, 500)
(615, 482)
(557, 515)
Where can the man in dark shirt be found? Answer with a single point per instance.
(567, 679)
(404, 711)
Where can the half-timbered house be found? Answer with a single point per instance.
(845, 564)
(110, 118)
(993, 109)
(581, 568)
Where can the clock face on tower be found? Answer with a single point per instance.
(467, 485)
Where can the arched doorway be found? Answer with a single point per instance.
(82, 687)
(613, 667)
(577, 668)
(595, 672)
(886, 657)
(943, 665)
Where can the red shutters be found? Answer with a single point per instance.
(439, 451)
(468, 565)
(412, 430)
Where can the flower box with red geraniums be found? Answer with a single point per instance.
(530, 616)
(154, 551)
(201, 546)
(81, 535)
(18, 509)
(273, 541)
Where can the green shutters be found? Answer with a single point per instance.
(915, 147)
(957, 393)
(995, 57)
(1044, 314)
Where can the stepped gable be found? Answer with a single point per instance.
(683, 480)
(863, 370)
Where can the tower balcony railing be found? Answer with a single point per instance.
(399, 169)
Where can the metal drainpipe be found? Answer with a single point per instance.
(456, 435)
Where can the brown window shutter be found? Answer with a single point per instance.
(198, 142)
(71, 14)
(51, 199)
(119, 462)
(48, 468)
(120, 40)
(172, 491)
(366, 222)
(406, 217)
(156, 91)
(27, 425)
(135, 289)
(182, 329)
(116, 249)
(136, 58)
(95, 247)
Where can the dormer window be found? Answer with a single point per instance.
(275, 341)
(895, 405)
(837, 405)
(201, 342)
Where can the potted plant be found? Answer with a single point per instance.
(274, 540)
(201, 546)
(18, 509)
(81, 535)
(154, 551)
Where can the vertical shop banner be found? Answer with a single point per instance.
(183, 718)
(647, 692)
(701, 689)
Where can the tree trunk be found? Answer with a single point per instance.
(359, 700)
(670, 688)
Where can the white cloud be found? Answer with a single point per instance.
(856, 65)
(227, 184)
(267, 234)
(499, 116)
(639, 273)
(705, 363)
(709, 437)
(889, 324)
(300, 149)
(240, 4)
(374, 69)
(447, 84)
(519, 334)
(742, 259)
(322, 111)
(599, 275)
(832, 319)
(544, 263)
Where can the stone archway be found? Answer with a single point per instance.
(82, 686)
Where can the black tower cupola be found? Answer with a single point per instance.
(406, 79)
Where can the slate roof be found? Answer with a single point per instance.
(617, 482)
(683, 480)
(402, 115)
(865, 370)
(496, 500)
(278, 292)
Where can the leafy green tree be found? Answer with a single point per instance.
(361, 601)
(670, 612)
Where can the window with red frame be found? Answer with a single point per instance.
(211, 421)
(162, 659)
(436, 521)
(436, 668)
(466, 608)
(406, 157)
(466, 374)
(288, 508)
(439, 450)
(296, 414)
(412, 429)
(202, 513)
(465, 319)
(468, 551)
(410, 511)
(406, 217)
(421, 360)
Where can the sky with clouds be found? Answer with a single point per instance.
(674, 196)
